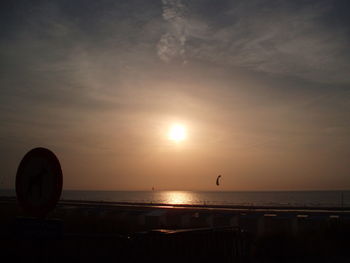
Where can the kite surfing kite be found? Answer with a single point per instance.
(217, 180)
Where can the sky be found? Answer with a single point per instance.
(260, 86)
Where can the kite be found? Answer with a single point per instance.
(217, 180)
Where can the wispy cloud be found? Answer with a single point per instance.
(272, 37)
(172, 43)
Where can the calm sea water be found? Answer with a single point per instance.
(285, 198)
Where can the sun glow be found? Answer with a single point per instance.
(177, 197)
(177, 133)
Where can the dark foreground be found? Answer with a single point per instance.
(104, 232)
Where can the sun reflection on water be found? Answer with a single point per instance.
(177, 197)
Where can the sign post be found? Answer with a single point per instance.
(39, 183)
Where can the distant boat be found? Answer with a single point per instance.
(217, 180)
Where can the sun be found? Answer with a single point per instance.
(177, 133)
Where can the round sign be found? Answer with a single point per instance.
(39, 182)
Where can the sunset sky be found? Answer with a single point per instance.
(260, 90)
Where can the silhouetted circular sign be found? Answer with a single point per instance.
(39, 182)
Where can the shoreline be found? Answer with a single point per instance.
(249, 208)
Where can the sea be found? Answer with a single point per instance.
(247, 198)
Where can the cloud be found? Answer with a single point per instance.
(172, 43)
(272, 37)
